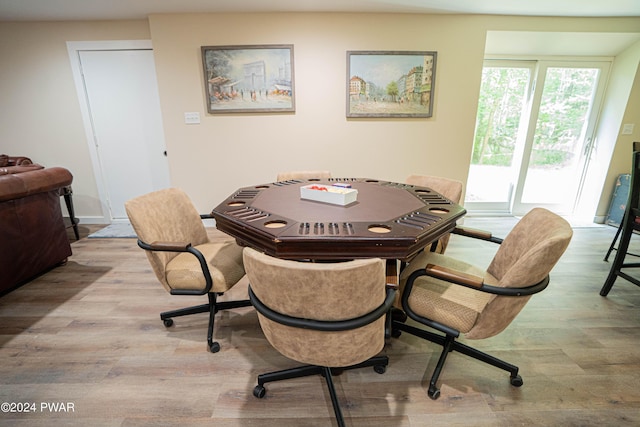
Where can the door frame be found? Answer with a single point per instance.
(74, 48)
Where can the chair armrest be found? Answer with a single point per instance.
(325, 325)
(169, 246)
(183, 247)
(392, 287)
(454, 276)
(476, 234)
(461, 279)
(471, 281)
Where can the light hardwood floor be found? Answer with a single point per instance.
(88, 334)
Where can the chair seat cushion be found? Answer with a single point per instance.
(223, 259)
(452, 305)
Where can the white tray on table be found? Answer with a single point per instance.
(329, 194)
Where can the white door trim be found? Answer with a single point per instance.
(73, 49)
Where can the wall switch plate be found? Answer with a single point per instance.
(192, 118)
(627, 129)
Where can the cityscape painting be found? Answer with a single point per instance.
(390, 83)
(241, 79)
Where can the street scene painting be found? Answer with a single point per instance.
(390, 83)
(248, 79)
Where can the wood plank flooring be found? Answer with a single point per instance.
(88, 334)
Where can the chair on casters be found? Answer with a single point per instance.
(612, 246)
(454, 297)
(328, 315)
(291, 175)
(449, 188)
(171, 231)
(630, 223)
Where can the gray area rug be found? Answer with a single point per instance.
(114, 231)
(125, 230)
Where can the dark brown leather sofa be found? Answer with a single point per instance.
(33, 237)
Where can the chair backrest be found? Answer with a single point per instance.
(286, 176)
(525, 257)
(449, 188)
(327, 291)
(165, 216)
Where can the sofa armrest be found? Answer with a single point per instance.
(19, 161)
(10, 170)
(6, 160)
(15, 186)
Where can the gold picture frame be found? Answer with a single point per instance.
(249, 79)
(390, 84)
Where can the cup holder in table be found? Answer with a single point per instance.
(379, 228)
(275, 224)
(441, 211)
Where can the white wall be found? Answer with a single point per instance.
(41, 116)
(39, 108)
(229, 151)
(613, 150)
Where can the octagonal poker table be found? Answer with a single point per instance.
(388, 220)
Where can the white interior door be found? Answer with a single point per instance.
(123, 108)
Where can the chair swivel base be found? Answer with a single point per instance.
(379, 364)
(449, 344)
(212, 308)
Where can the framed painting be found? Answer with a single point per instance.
(390, 83)
(249, 79)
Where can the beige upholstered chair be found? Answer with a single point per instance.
(287, 176)
(328, 315)
(453, 297)
(183, 259)
(449, 188)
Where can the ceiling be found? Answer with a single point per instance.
(63, 10)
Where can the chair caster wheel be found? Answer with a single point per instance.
(259, 391)
(381, 369)
(214, 347)
(168, 323)
(434, 393)
(516, 381)
(398, 315)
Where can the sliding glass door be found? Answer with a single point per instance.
(533, 135)
(497, 151)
